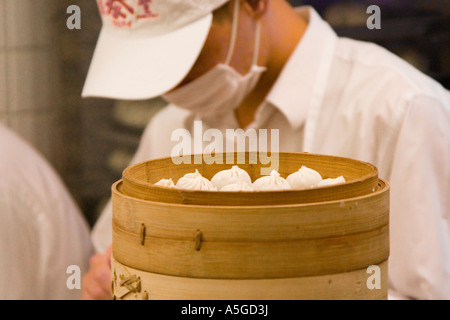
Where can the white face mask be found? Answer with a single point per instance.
(222, 88)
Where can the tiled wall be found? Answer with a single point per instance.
(30, 99)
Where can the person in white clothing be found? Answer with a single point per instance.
(42, 231)
(266, 65)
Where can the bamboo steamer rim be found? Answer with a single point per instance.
(128, 176)
(148, 191)
(182, 221)
(382, 186)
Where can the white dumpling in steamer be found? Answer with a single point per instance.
(195, 181)
(273, 182)
(230, 176)
(238, 186)
(304, 178)
(329, 182)
(165, 183)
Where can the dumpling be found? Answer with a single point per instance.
(272, 182)
(230, 176)
(238, 186)
(165, 183)
(329, 182)
(304, 178)
(195, 181)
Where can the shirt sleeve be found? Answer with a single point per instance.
(41, 235)
(419, 217)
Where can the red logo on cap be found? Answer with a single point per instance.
(120, 9)
(148, 13)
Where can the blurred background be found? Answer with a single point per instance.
(89, 142)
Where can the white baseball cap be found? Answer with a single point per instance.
(147, 47)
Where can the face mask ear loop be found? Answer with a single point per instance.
(233, 32)
(257, 42)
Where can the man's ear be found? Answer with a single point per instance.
(255, 8)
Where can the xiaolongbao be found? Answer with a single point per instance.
(165, 183)
(230, 176)
(238, 186)
(329, 182)
(195, 181)
(304, 178)
(272, 182)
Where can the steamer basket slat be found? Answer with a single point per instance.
(341, 286)
(249, 223)
(253, 260)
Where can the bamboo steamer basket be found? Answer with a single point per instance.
(276, 250)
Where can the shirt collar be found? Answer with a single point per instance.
(301, 83)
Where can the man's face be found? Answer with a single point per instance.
(215, 49)
(218, 43)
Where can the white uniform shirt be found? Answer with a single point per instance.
(348, 98)
(42, 231)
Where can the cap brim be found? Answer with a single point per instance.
(144, 68)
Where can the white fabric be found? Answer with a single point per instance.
(146, 48)
(348, 98)
(42, 231)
